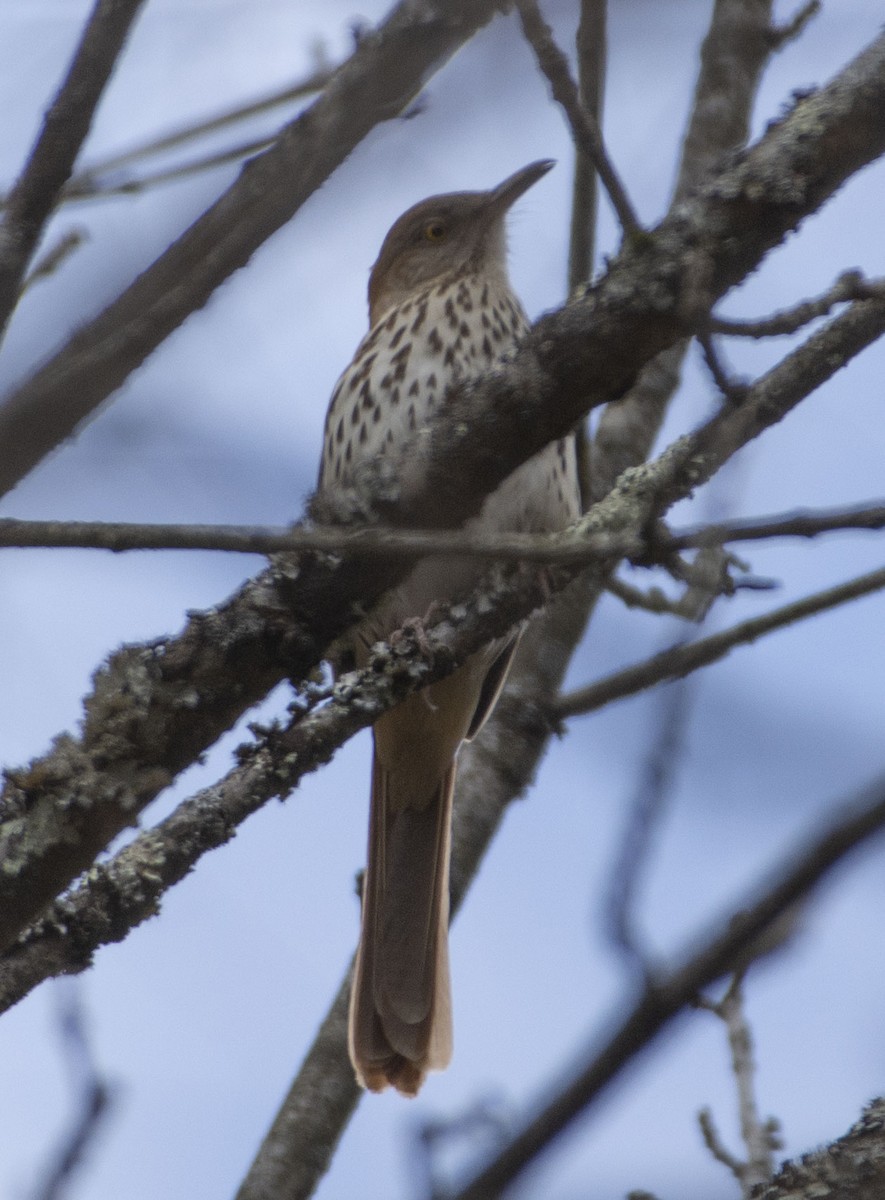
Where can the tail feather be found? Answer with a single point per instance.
(400, 1012)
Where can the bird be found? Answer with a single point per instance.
(441, 310)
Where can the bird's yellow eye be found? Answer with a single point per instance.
(435, 231)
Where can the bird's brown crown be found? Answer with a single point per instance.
(446, 237)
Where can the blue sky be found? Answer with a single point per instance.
(201, 1016)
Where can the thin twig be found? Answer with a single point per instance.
(585, 129)
(730, 388)
(85, 182)
(92, 1099)
(96, 188)
(653, 600)
(804, 523)
(759, 1137)
(782, 34)
(357, 543)
(679, 660)
(715, 1144)
(55, 256)
(851, 285)
(565, 547)
(645, 813)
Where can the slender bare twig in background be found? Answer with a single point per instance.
(732, 389)
(65, 126)
(55, 256)
(645, 812)
(584, 126)
(92, 1097)
(653, 600)
(851, 285)
(803, 523)
(760, 1137)
(673, 991)
(790, 30)
(133, 185)
(682, 659)
(92, 179)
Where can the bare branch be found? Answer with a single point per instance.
(730, 388)
(50, 262)
(790, 30)
(88, 182)
(645, 813)
(133, 185)
(851, 285)
(733, 56)
(714, 1143)
(92, 1099)
(65, 127)
(120, 894)
(804, 523)
(759, 1137)
(299, 1145)
(673, 991)
(564, 547)
(653, 601)
(584, 126)
(357, 543)
(682, 659)
(591, 48)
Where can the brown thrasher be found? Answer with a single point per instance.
(440, 309)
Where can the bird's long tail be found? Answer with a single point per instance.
(400, 1010)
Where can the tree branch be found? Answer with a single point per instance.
(562, 547)
(591, 49)
(759, 1137)
(65, 127)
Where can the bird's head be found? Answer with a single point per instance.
(446, 237)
